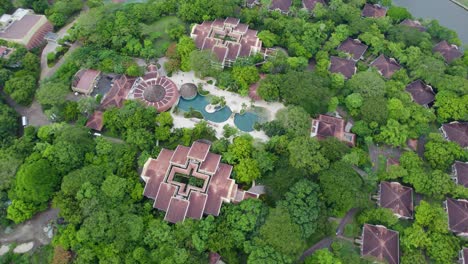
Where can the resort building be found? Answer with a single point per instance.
(280, 6)
(85, 81)
(413, 24)
(379, 243)
(346, 67)
(227, 39)
(386, 66)
(310, 4)
(5, 52)
(457, 211)
(460, 173)
(456, 132)
(151, 89)
(96, 121)
(190, 182)
(396, 197)
(421, 93)
(450, 52)
(374, 11)
(354, 47)
(156, 91)
(328, 126)
(24, 27)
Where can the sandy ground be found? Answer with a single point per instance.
(233, 100)
(23, 248)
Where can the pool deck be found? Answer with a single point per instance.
(233, 100)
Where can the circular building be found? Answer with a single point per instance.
(188, 91)
(157, 91)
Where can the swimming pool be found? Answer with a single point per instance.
(199, 103)
(246, 121)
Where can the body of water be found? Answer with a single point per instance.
(199, 103)
(246, 121)
(449, 14)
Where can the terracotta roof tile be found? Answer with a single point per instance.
(96, 121)
(343, 66)
(177, 210)
(449, 52)
(413, 24)
(461, 173)
(457, 132)
(310, 4)
(353, 47)
(374, 11)
(397, 198)
(421, 92)
(198, 151)
(457, 211)
(381, 243)
(282, 5)
(387, 67)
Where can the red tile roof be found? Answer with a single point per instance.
(310, 4)
(461, 173)
(380, 243)
(182, 199)
(457, 211)
(118, 93)
(328, 126)
(84, 80)
(29, 30)
(343, 66)
(421, 92)
(374, 11)
(397, 198)
(177, 210)
(353, 47)
(464, 256)
(281, 5)
(456, 132)
(414, 24)
(227, 39)
(449, 52)
(96, 121)
(387, 67)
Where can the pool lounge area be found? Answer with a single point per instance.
(199, 103)
(243, 122)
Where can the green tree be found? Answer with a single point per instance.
(184, 49)
(322, 256)
(247, 170)
(21, 89)
(201, 62)
(295, 120)
(398, 13)
(245, 76)
(441, 153)
(342, 188)
(367, 83)
(304, 153)
(304, 205)
(279, 227)
(269, 39)
(381, 216)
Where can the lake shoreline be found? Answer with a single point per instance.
(460, 4)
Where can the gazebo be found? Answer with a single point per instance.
(188, 91)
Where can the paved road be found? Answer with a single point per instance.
(33, 112)
(31, 230)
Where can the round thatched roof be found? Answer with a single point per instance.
(154, 93)
(188, 91)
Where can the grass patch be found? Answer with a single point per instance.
(157, 32)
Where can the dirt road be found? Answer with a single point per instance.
(31, 230)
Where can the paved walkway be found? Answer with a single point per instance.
(33, 112)
(324, 243)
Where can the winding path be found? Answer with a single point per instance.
(327, 241)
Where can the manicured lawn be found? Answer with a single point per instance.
(159, 27)
(463, 2)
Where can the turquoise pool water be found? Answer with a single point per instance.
(246, 121)
(199, 103)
